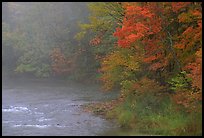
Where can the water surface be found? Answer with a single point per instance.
(42, 107)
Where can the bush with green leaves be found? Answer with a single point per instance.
(179, 81)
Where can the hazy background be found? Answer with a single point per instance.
(32, 31)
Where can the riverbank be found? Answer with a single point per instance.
(168, 120)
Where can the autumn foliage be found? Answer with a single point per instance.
(60, 64)
(168, 38)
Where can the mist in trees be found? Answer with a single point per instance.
(31, 32)
(150, 52)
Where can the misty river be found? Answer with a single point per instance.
(36, 107)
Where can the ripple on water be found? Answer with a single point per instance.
(7, 122)
(15, 109)
(38, 126)
(38, 113)
(43, 119)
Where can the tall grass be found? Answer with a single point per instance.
(149, 116)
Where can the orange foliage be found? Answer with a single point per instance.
(169, 34)
(134, 27)
(192, 34)
(95, 41)
(146, 85)
(139, 23)
(150, 59)
(187, 99)
(179, 46)
(196, 70)
(176, 6)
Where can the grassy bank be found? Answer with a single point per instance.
(148, 115)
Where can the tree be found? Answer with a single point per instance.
(95, 36)
(38, 29)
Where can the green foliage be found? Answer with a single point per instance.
(126, 118)
(25, 68)
(10, 43)
(38, 28)
(148, 109)
(179, 81)
(161, 118)
(43, 71)
(127, 87)
(99, 21)
(80, 35)
(39, 71)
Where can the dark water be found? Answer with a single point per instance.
(33, 107)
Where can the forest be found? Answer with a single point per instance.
(149, 52)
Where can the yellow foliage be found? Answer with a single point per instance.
(118, 66)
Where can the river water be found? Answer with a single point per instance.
(36, 107)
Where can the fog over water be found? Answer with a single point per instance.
(35, 101)
(50, 108)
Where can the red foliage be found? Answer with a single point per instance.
(95, 41)
(155, 66)
(187, 99)
(150, 59)
(134, 29)
(139, 23)
(176, 6)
